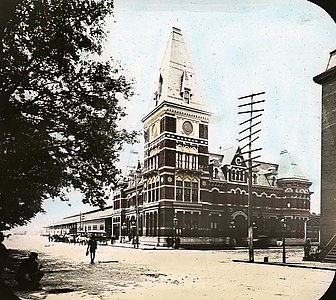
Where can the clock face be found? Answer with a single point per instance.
(187, 127)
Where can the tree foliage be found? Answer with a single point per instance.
(59, 112)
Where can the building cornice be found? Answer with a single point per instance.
(326, 76)
(179, 109)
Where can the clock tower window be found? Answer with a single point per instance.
(187, 190)
(186, 96)
(216, 173)
(255, 177)
(179, 160)
(203, 131)
(179, 188)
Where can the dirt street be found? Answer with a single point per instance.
(127, 273)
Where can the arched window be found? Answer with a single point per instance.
(245, 198)
(216, 173)
(215, 197)
(179, 159)
(194, 191)
(239, 198)
(187, 190)
(273, 201)
(273, 181)
(186, 96)
(157, 188)
(241, 175)
(264, 200)
(233, 174)
(255, 178)
(179, 188)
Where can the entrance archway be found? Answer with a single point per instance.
(240, 220)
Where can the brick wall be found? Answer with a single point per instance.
(328, 161)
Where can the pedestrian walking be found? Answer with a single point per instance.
(91, 248)
(177, 242)
(307, 247)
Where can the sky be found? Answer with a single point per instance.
(237, 48)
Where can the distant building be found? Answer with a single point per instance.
(327, 80)
(183, 189)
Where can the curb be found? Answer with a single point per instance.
(291, 265)
(141, 247)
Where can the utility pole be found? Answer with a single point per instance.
(80, 221)
(251, 131)
(137, 174)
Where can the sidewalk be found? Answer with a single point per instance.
(141, 246)
(296, 264)
(299, 264)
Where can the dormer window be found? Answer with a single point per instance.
(216, 174)
(186, 96)
(158, 93)
(273, 181)
(160, 85)
(185, 88)
(255, 179)
(156, 98)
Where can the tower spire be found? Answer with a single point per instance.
(177, 79)
(288, 168)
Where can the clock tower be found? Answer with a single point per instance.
(176, 154)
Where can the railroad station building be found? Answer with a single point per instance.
(180, 188)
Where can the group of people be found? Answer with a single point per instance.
(309, 252)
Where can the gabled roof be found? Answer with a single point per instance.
(177, 74)
(286, 170)
(229, 154)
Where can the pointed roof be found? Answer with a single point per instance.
(228, 155)
(177, 74)
(332, 60)
(288, 168)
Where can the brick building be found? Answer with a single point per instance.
(183, 189)
(327, 80)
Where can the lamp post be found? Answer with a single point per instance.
(133, 226)
(177, 238)
(123, 228)
(283, 226)
(137, 173)
(232, 228)
(175, 222)
(254, 227)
